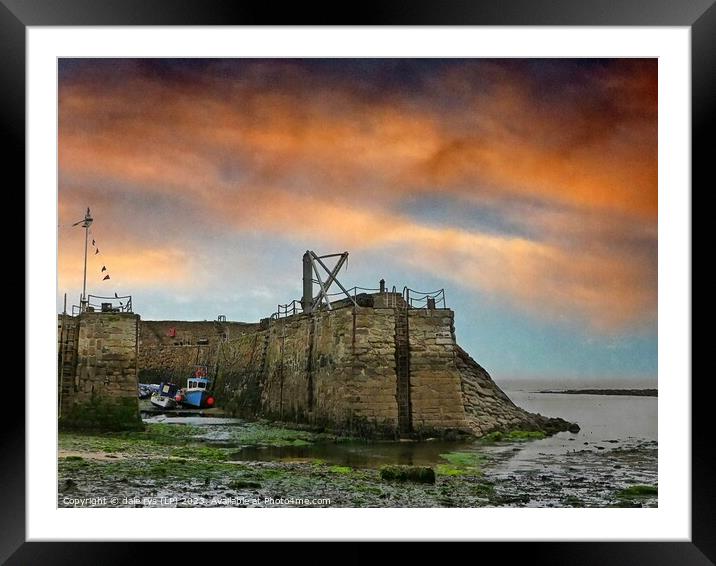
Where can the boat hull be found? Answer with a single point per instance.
(196, 398)
(163, 402)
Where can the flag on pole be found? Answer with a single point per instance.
(104, 268)
(96, 251)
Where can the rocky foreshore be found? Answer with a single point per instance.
(490, 410)
(202, 463)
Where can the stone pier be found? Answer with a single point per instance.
(379, 368)
(97, 371)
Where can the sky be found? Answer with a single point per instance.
(526, 188)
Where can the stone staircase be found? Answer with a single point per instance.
(67, 334)
(402, 369)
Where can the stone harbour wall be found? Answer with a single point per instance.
(284, 385)
(242, 363)
(353, 370)
(169, 349)
(435, 381)
(377, 369)
(332, 369)
(103, 390)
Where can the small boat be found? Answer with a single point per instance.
(145, 390)
(196, 393)
(166, 397)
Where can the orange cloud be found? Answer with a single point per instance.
(607, 289)
(601, 154)
(330, 165)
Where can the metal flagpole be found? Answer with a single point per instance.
(85, 224)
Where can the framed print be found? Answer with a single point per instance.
(423, 275)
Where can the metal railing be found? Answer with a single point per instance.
(353, 291)
(424, 300)
(413, 299)
(289, 309)
(295, 307)
(97, 303)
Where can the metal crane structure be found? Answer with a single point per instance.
(311, 265)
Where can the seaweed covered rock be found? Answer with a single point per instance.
(418, 474)
(489, 409)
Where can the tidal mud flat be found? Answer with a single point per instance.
(211, 462)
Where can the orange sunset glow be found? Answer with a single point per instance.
(526, 188)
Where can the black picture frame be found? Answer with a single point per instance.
(698, 15)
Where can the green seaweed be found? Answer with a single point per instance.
(635, 491)
(204, 453)
(340, 469)
(419, 474)
(100, 414)
(448, 470)
(260, 434)
(513, 436)
(521, 435)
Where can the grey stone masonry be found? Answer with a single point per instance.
(103, 391)
(376, 368)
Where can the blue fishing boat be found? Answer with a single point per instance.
(196, 393)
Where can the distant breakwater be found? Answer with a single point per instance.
(629, 392)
